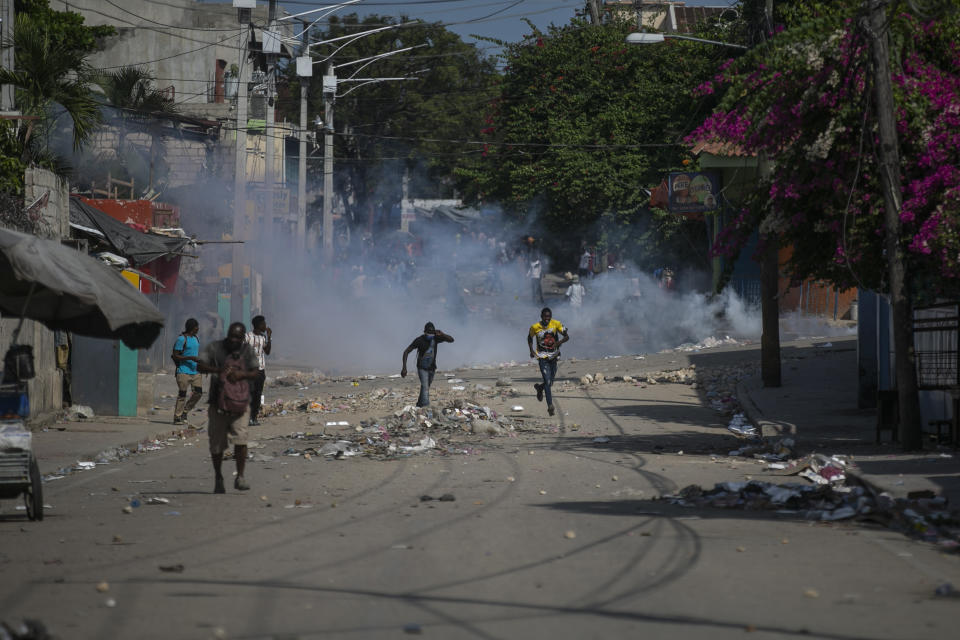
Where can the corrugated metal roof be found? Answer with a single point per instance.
(688, 17)
(721, 149)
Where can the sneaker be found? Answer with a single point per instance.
(550, 409)
(240, 484)
(179, 420)
(253, 423)
(539, 388)
(218, 485)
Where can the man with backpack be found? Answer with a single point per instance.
(233, 365)
(426, 346)
(185, 352)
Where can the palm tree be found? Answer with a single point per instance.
(50, 80)
(139, 104)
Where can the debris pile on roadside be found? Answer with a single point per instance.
(719, 385)
(833, 496)
(117, 454)
(296, 379)
(383, 398)
(812, 502)
(710, 342)
(408, 431)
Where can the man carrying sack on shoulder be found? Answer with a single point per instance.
(233, 365)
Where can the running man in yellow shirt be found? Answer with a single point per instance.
(549, 334)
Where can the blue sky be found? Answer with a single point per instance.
(502, 19)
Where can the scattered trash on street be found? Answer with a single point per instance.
(833, 496)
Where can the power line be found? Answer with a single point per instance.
(162, 24)
(176, 55)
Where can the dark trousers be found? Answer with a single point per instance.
(426, 379)
(536, 290)
(256, 392)
(548, 370)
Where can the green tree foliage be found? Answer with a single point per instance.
(51, 78)
(134, 104)
(386, 129)
(807, 101)
(11, 167)
(65, 27)
(585, 123)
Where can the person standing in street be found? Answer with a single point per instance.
(534, 272)
(575, 292)
(185, 352)
(426, 346)
(233, 365)
(583, 269)
(259, 340)
(544, 339)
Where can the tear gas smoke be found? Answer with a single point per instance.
(360, 314)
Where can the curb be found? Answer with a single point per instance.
(765, 428)
(132, 447)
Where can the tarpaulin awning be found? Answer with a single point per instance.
(138, 247)
(68, 290)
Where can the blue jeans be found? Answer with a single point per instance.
(548, 369)
(426, 379)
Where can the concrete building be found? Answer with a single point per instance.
(196, 52)
(664, 15)
(192, 48)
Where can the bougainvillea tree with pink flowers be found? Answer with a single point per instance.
(805, 99)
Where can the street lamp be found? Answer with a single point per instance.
(642, 37)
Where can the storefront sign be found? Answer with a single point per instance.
(693, 192)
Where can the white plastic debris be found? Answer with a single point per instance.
(15, 436)
(740, 426)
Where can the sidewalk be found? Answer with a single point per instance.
(817, 406)
(62, 445)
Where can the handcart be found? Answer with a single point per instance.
(19, 473)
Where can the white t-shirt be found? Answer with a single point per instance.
(258, 342)
(585, 261)
(575, 293)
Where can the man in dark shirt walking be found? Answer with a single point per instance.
(426, 346)
(229, 360)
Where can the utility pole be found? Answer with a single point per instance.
(305, 72)
(235, 311)
(910, 432)
(594, 7)
(7, 56)
(269, 146)
(770, 370)
(329, 94)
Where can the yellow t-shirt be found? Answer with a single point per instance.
(548, 338)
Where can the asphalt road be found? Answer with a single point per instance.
(550, 535)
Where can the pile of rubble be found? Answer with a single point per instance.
(686, 375)
(296, 379)
(922, 515)
(812, 502)
(833, 494)
(408, 431)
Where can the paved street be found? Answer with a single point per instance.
(551, 534)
